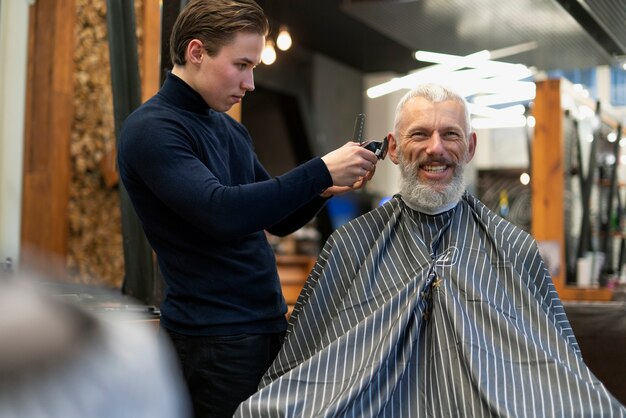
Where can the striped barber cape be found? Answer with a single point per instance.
(413, 315)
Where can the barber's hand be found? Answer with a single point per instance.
(350, 165)
(359, 184)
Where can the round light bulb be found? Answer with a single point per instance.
(524, 178)
(268, 56)
(283, 41)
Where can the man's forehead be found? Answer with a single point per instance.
(244, 45)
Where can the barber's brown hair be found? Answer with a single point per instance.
(215, 23)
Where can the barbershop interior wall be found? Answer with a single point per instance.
(329, 94)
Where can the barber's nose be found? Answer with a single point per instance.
(248, 82)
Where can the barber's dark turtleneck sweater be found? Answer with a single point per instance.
(204, 201)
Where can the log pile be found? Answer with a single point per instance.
(95, 254)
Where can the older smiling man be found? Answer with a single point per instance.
(430, 305)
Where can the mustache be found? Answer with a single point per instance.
(435, 160)
(425, 161)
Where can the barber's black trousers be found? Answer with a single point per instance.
(223, 371)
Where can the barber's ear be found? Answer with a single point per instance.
(393, 148)
(195, 50)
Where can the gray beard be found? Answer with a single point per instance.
(431, 197)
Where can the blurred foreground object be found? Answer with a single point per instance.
(59, 360)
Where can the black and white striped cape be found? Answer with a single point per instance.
(411, 315)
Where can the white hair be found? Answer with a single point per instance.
(434, 93)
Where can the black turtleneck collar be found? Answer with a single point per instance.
(180, 94)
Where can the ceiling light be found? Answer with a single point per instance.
(484, 111)
(470, 74)
(479, 60)
(433, 73)
(513, 121)
(512, 50)
(440, 58)
(495, 54)
(283, 41)
(483, 81)
(490, 112)
(268, 56)
(502, 98)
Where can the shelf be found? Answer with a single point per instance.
(575, 293)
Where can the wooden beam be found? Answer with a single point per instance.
(48, 127)
(547, 177)
(548, 186)
(151, 48)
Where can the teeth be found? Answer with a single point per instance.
(435, 168)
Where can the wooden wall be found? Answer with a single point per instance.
(71, 226)
(48, 119)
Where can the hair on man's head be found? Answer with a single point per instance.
(215, 23)
(434, 93)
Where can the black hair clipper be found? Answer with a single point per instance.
(377, 147)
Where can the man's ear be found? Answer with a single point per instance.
(393, 148)
(195, 51)
(471, 146)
